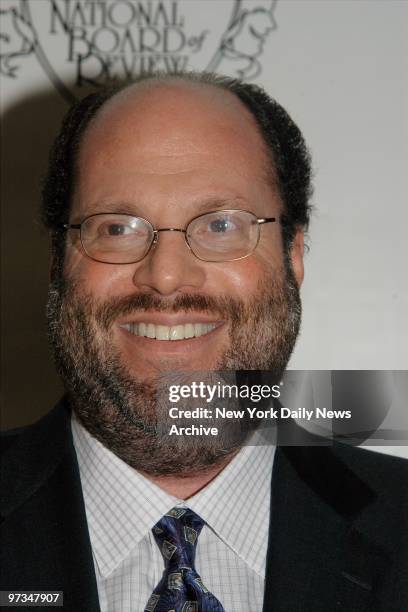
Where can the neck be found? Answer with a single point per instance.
(184, 487)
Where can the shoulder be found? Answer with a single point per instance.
(314, 455)
(9, 436)
(370, 466)
(29, 455)
(51, 425)
(385, 474)
(349, 478)
(374, 466)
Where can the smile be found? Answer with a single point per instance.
(166, 332)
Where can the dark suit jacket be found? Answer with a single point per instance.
(338, 536)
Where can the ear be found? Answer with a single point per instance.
(296, 255)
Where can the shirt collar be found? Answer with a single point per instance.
(122, 506)
(236, 504)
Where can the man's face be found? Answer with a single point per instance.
(169, 154)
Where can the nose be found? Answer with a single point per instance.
(170, 267)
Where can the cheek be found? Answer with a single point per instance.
(98, 279)
(245, 277)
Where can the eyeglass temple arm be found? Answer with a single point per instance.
(266, 220)
(67, 226)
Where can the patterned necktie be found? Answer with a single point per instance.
(181, 588)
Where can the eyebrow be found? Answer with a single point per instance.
(217, 203)
(127, 208)
(120, 207)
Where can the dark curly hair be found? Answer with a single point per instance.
(290, 159)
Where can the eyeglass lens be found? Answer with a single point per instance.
(114, 238)
(215, 236)
(223, 235)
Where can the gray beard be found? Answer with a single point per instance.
(130, 417)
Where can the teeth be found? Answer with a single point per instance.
(164, 332)
(150, 331)
(177, 332)
(142, 329)
(189, 330)
(198, 329)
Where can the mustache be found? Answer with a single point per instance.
(225, 307)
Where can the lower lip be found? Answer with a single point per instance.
(171, 346)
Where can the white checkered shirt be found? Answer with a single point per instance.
(122, 506)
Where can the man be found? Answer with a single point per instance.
(177, 208)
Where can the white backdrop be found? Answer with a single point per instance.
(340, 69)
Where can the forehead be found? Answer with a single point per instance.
(162, 135)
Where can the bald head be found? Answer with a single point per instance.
(175, 95)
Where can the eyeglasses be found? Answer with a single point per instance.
(221, 235)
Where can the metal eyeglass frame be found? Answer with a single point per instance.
(259, 221)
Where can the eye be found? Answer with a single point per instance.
(116, 229)
(221, 225)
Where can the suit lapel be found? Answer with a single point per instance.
(45, 542)
(319, 556)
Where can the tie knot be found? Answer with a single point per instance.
(176, 535)
(180, 588)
